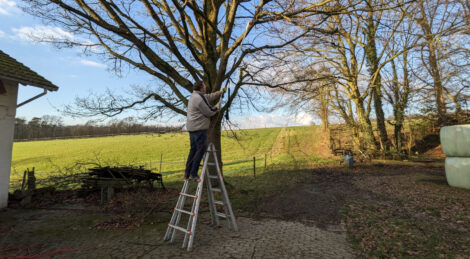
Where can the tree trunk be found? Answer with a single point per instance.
(401, 100)
(436, 76)
(367, 130)
(433, 64)
(376, 79)
(399, 119)
(215, 138)
(384, 143)
(324, 112)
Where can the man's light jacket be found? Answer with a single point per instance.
(200, 111)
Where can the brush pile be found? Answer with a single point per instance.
(108, 178)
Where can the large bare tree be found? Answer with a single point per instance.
(176, 42)
(361, 35)
(399, 85)
(438, 20)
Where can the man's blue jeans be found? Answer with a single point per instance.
(197, 151)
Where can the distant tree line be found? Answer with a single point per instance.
(49, 126)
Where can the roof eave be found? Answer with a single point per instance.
(26, 82)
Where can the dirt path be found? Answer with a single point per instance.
(278, 143)
(319, 200)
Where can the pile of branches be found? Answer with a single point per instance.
(127, 174)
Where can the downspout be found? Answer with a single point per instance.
(32, 99)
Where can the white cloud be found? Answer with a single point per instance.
(7, 7)
(2, 34)
(50, 34)
(42, 32)
(274, 120)
(91, 63)
(304, 118)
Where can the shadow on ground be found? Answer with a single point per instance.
(388, 210)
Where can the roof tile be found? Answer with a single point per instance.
(14, 70)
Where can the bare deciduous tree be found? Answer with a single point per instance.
(176, 42)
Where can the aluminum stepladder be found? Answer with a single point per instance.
(193, 214)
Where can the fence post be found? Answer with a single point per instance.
(161, 158)
(23, 184)
(265, 157)
(31, 181)
(254, 167)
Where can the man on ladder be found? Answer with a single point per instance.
(199, 113)
(198, 120)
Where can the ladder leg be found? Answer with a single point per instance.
(185, 241)
(196, 209)
(224, 200)
(196, 202)
(228, 206)
(181, 206)
(173, 217)
(210, 196)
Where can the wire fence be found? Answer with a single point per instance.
(268, 159)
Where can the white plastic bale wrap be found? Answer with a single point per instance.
(458, 171)
(455, 140)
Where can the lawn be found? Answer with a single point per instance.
(271, 146)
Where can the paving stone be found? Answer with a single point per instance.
(256, 239)
(265, 238)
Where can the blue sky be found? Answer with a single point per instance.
(78, 75)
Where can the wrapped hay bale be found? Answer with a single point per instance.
(455, 140)
(458, 171)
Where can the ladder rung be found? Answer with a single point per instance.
(188, 195)
(185, 212)
(179, 228)
(219, 202)
(222, 215)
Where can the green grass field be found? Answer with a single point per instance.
(293, 146)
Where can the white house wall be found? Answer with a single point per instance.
(7, 128)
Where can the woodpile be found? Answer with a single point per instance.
(107, 179)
